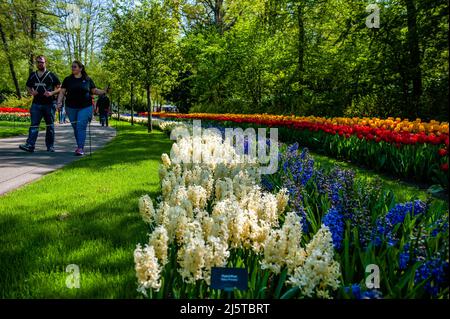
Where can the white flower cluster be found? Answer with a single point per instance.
(163, 125)
(318, 272)
(140, 120)
(211, 207)
(147, 268)
(282, 246)
(146, 208)
(313, 268)
(168, 126)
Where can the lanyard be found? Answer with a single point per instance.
(41, 81)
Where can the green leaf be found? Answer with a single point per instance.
(290, 293)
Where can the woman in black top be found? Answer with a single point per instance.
(78, 89)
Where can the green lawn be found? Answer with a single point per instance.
(84, 214)
(11, 128)
(403, 191)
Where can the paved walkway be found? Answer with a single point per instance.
(18, 167)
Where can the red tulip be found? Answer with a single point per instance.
(444, 167)
(442, 152)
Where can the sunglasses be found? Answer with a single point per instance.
(74, 66)
(40, 62)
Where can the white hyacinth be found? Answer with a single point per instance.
(147, 268)
(146, 209)
(320, 272)
(166, 160)
(159, 240)
(209, 207)
(282, 247)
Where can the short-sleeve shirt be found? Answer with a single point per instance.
(47, 82)
(103, 104)
(78, 91)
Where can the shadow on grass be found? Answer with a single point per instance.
(124, 149)
(99, 235)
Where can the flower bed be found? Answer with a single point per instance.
(15, 117)
(12, 110)
(408, 241)
(302, 232)
(412, 150)
(14, 114)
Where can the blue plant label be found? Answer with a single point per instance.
(229, 278)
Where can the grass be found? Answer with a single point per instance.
(11, 128)
(403, 191)
(84, 214)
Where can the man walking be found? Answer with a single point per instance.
(42, 85)
(103, 105)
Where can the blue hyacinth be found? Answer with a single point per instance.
(358, 292)
(293, 148)
(384, 227)
(372, 294)
(335, 222)
(439, 226)
(404, 257)
(355, 290)
(435, 272)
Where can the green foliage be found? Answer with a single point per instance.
(11, 100)
(141, 46)
(317, 58)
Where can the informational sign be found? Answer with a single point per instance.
(229, 278)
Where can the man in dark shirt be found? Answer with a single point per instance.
(103, 105)
(43, 85)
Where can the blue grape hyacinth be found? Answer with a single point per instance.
(335, 222)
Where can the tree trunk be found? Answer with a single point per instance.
(10, 62)
(132, 103)
(218, 15)
(149, 109)
(414, 57)
(301, 49)
(69, 48)
(33, 27)
(118, 108)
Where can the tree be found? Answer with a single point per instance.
(10, 61)
(80, 28)
(144, 37)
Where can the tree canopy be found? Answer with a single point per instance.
(303, 57)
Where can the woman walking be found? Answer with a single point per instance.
(78, 88)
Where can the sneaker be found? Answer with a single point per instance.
(79, 152)
(51, 149)
(26, 147)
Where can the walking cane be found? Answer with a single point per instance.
(90, 140)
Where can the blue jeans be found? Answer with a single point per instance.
(37, 112)
(62, 115)
(104, 118)
(79, 118)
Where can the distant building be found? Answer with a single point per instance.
(169, 109)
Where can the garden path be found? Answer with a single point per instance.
(18, 168)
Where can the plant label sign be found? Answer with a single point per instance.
(229, 278)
